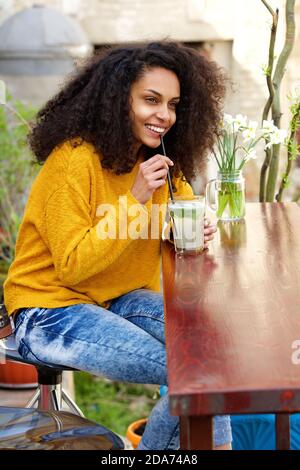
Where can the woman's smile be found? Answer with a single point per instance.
(156, 130)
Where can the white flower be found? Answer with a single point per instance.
(250, 132)
(268, 126)
(239, 122)
(251, 155)
(228, 119)
(227, 123)
(278, 136)
(239, 137)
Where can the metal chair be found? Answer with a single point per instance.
(49, 394)
(47, 402)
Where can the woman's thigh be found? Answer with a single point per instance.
(90, 338)
(144, 308)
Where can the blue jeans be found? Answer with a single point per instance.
(124, 343)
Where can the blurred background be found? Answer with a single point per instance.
(40, 42)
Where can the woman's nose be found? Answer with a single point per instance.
(164, 113)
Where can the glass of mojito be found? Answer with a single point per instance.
(187, 222)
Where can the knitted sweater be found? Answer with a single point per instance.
(73, 244)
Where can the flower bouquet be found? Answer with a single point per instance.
(235, 146)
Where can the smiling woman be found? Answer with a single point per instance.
(88, 301)
(153, 105)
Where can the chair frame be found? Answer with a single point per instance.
(49, 394)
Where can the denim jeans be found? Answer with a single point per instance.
(125, 342)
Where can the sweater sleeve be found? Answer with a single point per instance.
(80, 249)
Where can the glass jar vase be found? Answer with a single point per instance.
(229, 195)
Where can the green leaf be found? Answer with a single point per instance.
(222, 203)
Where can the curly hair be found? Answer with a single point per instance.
(95, 106)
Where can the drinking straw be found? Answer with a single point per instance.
(169, 177)
(169, 182)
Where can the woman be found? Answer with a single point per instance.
(83, 289)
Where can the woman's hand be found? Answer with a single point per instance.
(152, 174)
(209, 230)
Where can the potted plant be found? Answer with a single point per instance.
(235, 146)
(135, 431)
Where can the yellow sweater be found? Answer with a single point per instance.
(62, 257)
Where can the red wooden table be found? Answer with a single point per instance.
(233, 324)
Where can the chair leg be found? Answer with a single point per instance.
(283, 433)
(71, 404)
(54, 400)
(34, 399)
(50, 397)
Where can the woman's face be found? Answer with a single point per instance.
(154, 98)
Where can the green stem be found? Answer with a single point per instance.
(232, 198)
(16, 113)
(290, 152)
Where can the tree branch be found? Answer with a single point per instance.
(268, 7)
(263, 175)
(269, 72)
(276, 107)
(270, 61)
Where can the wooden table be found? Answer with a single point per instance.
(233, 324)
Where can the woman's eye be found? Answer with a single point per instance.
(151, 99)
(173, 105)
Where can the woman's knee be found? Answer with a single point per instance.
(139, 302)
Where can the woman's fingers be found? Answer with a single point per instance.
(159, 174)
(158, 165)
(209, 231)
(208, 238)
(151, 175)
(158, 161)
(156, 179)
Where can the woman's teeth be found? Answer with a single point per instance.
(159, 130)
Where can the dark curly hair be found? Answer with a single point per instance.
(94, 105)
